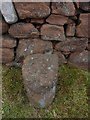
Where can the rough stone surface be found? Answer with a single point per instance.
(7, 55)
(32, 10)
(8, 11)
(23, 30)
(52, 32)
(63, 8)
(7, 42)
(85, 6)
(72, 44)
(82, 28)
(3, 26)
(40, 76)
(80, 60)
(40, 71)
(32, 46)
(41, 100)
(61, 58)
(57, 19)
(70, 31)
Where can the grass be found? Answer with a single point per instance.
(71, 99)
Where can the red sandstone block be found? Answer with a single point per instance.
(32, 9)
(52, 32)
(7, 55)
(23, 30)
(63, 8)
(82, 29)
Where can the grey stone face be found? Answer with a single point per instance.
(41, 100)
(8, 12)
(40, 76)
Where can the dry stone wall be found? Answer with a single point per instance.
(62, 28)
(45, 36)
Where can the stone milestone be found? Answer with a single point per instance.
(40, 76)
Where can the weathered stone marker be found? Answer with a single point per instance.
(8, 11)
(40, 76)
